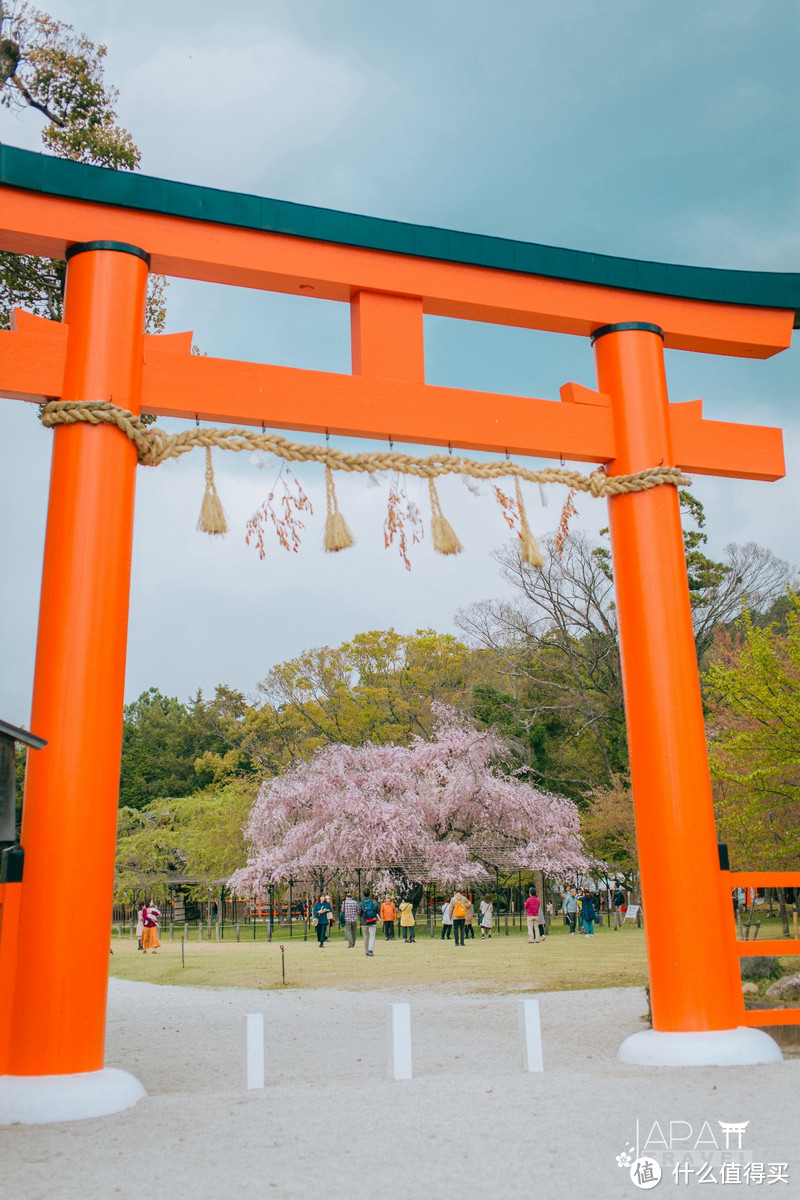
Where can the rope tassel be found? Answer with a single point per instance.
(212, 514)
(337, 534)
(529, 550)
(444, 539)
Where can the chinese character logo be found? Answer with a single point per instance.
(645, 1173)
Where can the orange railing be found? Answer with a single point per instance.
(777, 946)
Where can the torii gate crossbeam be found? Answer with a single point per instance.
(113, 228)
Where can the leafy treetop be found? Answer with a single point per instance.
(753, 694)
(45, 65)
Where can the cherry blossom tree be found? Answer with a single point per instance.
(434, 810)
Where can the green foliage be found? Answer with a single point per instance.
(145, 855)
(753, 691)
(193, 839)
(702, 572)
(608, 827)
(495, 708)
(376, 688)
(557, 649)
(46, 66)
(33, 284)
(208, 829)
(20, 759)
(161, 741)
(557, 646)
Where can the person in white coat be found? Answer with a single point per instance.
(487, 917)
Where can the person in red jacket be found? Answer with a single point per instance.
(532, 906)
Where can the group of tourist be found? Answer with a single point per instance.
(582, 909)
(369, 913)
(458, 918)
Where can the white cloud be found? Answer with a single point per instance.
(225, 116)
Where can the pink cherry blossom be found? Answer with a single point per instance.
(439, 810)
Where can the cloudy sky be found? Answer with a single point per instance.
(662, 132)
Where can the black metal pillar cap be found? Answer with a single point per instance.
(624, 326)
(120, 247)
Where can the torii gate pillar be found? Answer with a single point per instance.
(694, 991)
(69, 828)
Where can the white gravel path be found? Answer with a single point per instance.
(330, 1125)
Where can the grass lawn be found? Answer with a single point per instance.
(502, 964)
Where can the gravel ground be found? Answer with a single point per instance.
(330, 1125)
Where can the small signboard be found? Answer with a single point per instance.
(632, 912)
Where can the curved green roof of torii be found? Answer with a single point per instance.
(123, 189)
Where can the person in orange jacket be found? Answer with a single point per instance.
(388, 916)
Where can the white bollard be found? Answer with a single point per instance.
(398, 1030)
(254, 1050)
(530, 1033)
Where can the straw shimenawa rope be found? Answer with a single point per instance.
(212, 514)
(154, 446)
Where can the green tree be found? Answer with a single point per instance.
(376, 688)
(557, 646)
(145, 856)
(208, 828)
(557, 649)
(46, 66)
(608, 827)
(162, 739)
(196, 839)
(753, 690)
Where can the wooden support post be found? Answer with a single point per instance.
(387, 336)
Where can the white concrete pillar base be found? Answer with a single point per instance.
(740, 1047)
(45, 1099)
(398, 1032)
(530, 1033)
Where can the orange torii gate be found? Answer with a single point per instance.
(112, 228)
